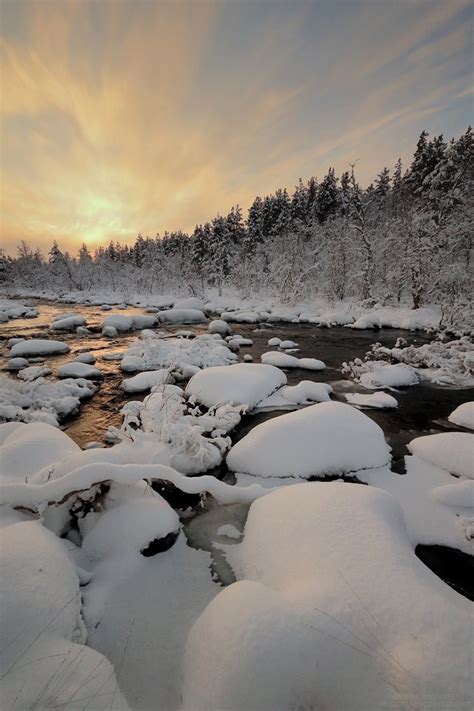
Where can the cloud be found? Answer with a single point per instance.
(144, 116)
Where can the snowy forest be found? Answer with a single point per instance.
(406, 238)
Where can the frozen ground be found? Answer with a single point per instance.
(324, 601)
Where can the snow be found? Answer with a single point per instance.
(437, 507)
(305, 626)
(220, 327)
(85, 358)
(452, 451)
(177, 353)
(229, 531)
(69, 323)
(11, 309)
(121, 322)
(329, 438)
(191, 302)
(181, 316)
(239, 384)
(146, 381)
(287, 345)
(45, 664)
(41, 400)
(274, 342)
(373, 375)
(410, 319)
(78, 369)
(463, 415)
(110, 332)
(284, 360)
(29, 448)
(241, 316)
(380, 401)
(37, 347)
(33, 372)
(302, 394)
(248, 358)
(130, 527)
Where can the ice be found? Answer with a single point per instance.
(284, 360)
(78, 369)
(332, 610)
(146, 381)
(329, 438)
(239, 384)
(37, 347)
(452, 451)
(380, 401)
(181, 316)
(463, 415)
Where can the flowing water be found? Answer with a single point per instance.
(423, 409)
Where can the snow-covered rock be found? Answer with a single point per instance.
(238, 384)
(191, 302)
(240, 316)
(285, 360)
(326, 439)
(379, 401)
(85, 358)
(33, 372)
(177, 353)
(78, 369)
(410, 319)
(305, 605)
(121, 322)
(304, 393)
(463, 415)
(383, 375)
(69, 323)
(181, 316)
(41, 400)
(17, 363)
(220, 327)
(144, 382)
(274, 342)
(452, 451)
(37, 347)
(109, 331)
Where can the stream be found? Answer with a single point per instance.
(423, 409)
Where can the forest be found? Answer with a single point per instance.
(406, 238)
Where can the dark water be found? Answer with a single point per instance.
(423, 409)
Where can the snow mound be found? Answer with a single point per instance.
(17, 363)
(239, 384)
(28, 449)
(78, 369)
(305, 604)
(463, 415)
(41, 400)
(181, 316)
(240, 316)
(37, 347)
(373, 375)
(109, 332)
(11, 309)
(191, 302)
(285, 360)
(220, 327)
(45, 663)
(326, 439)
(452, 451)
(130, 527)
(146, 381)
(378, 401)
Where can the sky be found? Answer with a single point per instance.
(128, 116)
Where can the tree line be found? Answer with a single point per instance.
(406, 237)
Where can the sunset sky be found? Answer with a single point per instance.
(127, 116)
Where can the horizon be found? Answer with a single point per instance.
(103, 139)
